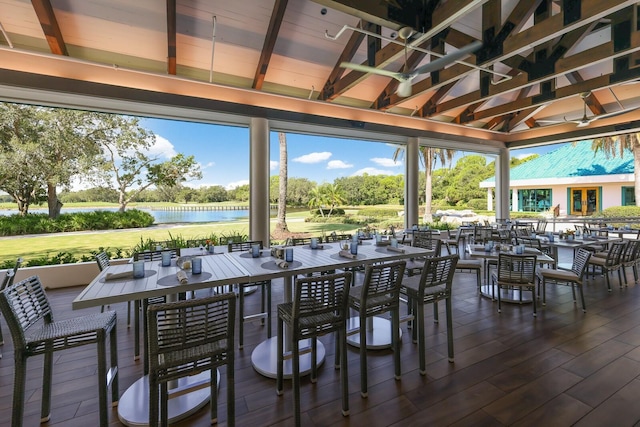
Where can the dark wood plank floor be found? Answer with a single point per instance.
(562, 368)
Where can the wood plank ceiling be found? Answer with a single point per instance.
(543, 64)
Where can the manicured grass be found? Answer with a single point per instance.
(83, 243)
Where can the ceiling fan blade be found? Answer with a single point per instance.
(366, 69)
(447, 59)
(613, 114)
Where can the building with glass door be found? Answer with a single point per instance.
(574, 178)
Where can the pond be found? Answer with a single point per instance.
(163, 216)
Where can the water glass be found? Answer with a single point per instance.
(314, 243)
(138, 269)
(255, 250)
(354, 248)
(288, 254)
(196, 265)
(378, 238)
(166, 258)
(394, 243)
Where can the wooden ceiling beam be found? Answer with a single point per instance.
(275, 22)
(49, 24)
(443, 17)
(171, 37)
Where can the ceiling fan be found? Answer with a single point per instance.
(406, 76)
(585, 120)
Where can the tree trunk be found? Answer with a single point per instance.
(428, 178)
(122, 202)
(281, 225)
(52, 201)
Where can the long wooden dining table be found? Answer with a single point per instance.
(219, 270)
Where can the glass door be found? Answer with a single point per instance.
(584, 201)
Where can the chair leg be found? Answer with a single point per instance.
(314, 355)
(533, 297)
(395, 340)
(47, 377)
(280, 357)
(231, 390)
(295, 377)
(421, 339)
(154, 399)
(584, 306)
(435, 312)
(214, 396)
(449, 310)
(344, 374)
(544, 291)
(240, 316)
(128, 314)
(164, 405)
(268, 285)
(102, 378)
(136, 331)
(363, 356)
(20, 376)
(113, 359)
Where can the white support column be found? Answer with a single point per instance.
(259, 180)
(514, 199)
(489, 199)
(411, 182)
(502, 184)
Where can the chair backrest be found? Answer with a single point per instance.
(427, 240)
(155, 255)
(190, 324)
(615, 253)
(323, 298)
(530, 242)
(381, 287)
(23, 305)
(482, 234)
(516, 269)
(11, 275)
(299, 241)
(243, 246)
(580, 262)
(195, 243)
(334, 237)
(541, 227)
(631, 251)
(103, 260)
(438, 271)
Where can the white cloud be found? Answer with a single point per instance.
(162, 148)
(372, 171)
(313, 157)
(232, 185)
(338, 164)
(207, 166)
(386, 162)
(273, 165)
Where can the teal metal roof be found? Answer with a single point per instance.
(572, 161)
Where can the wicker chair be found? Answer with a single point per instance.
(630, 259)
(612, 262)
(574, 277)
(6, 282)
(425, 240)
(30, 319)
(433, 285)
(103, 261)
(265, 295)
(187, 338)
(516, 271)
(319, 307)
(379, 293)
(454, 242)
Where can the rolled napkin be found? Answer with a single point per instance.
(347, 254)
(282, 264)
(392, 249)
(115, 276)
(318, 247)
(383, 243)
(182, 277)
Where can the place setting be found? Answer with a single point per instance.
(189, 271)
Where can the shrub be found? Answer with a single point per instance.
(621, 212)
(325, 211)
(380, 213)
(477, 204)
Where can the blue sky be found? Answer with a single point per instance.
(223, 153)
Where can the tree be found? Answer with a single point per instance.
(281, 225)
(126, 161)
(429, 157)
(333, 195)
(620, 144)
(317, 199)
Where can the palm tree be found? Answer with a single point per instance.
(429, 157)
(611, 145)
(317, 198)
(334, 195)
(281, 225)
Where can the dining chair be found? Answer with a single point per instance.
(429, 240)
(612, 262)
(6, 282)
(433, 285)
(473, 266)
(454, 242)
(265, 295)
(103, 261)
(573, 277)
(516, 271)
(28, 314)
(630, 258)
(378, 294)
(319, 307)
(187, 338)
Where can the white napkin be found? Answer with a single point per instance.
(282, 264)
(115, 276)
(392, 249)
(182, 277)
(347, 254)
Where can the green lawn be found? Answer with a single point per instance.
(83, 243)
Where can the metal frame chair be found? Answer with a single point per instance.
(103, 261)
(187, 338)
(433, 285)
(319, 307)
(265, 295)
(34, 332)
(9, 277)
(516, 271)
(612, 262)
(574, 277)
(379, 293)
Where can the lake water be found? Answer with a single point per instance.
(163, 217)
